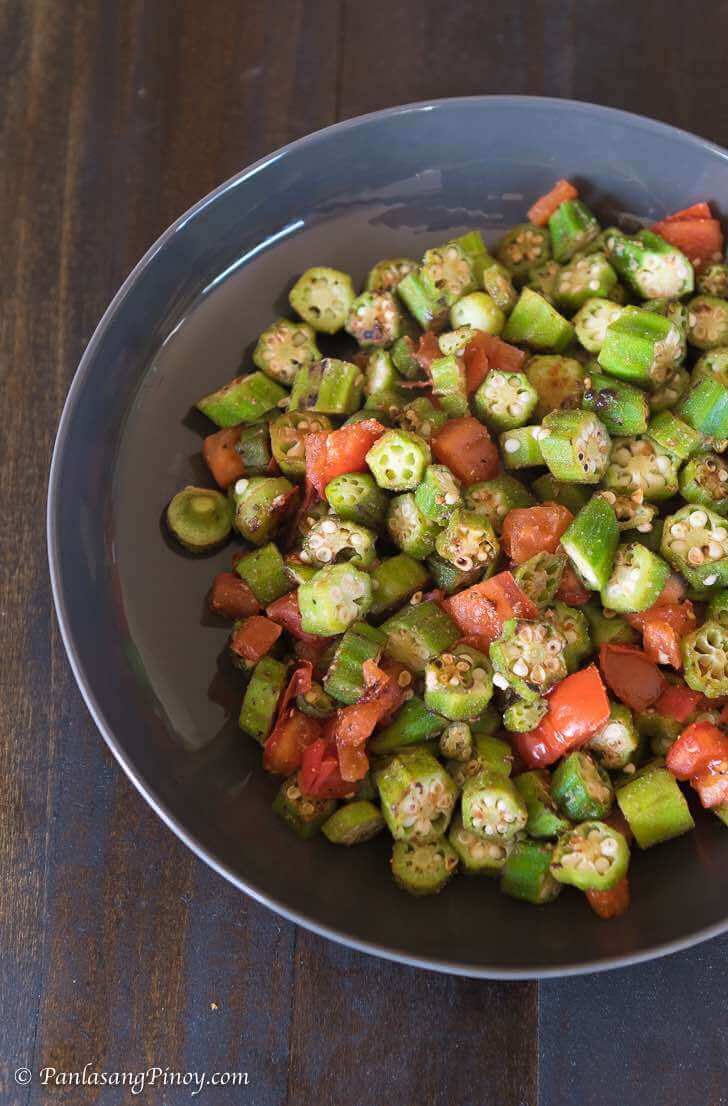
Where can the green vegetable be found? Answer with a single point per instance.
(559, 382)
(448, 578)
(505, 400)
(353, 823)
(637, 578)
(332, 540)
(333, 599)
(244, 399)
(323, 298)
(576, 446)
(264, 572)
(592, 856)
(409, 529)
(288, 440)
(550, 490)
(528, 657)
(544, 820)
(521, 717)
(427, 304)
(423, 869)
(713, 280)
(438, 494)
(254, 448)
(705, 408)
(497, 283)
(649, 265)
(416, 634)
(574, 626)
(261, 698)
(673, 435)
(374, 319)
(478, 857)
(285, 347)
(413, 724)
(261, 505)
(582, 279)
(344, 679)
(354, 496)
(695, 542)
(478, 310)
(456, 742)
(608, 629)
(521, 448)
(398, 460)
(590, 542)
(617, 742)
(330, 387)
(581, 788)
(492, 807)
(522, 248)
(540, 576)
(535, 323)
(458, 685)
(591, 322)
(527, 875)
(417, 796)
(668, 394)
(712, 363)
(572, 228)
(640, 464)
(449, 385)
(704, 481)
(394, 581)
(468, 541)
(420, 417)
(705, 657)
(199, 518)
(304, 815)
(387, 275)
(495, 498)
(622, 408)
(707, 322)
(641, 348)
(654, 807)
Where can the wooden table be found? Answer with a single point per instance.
(118, 948)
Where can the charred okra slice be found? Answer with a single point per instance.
(641, 348)
(671, 392)
(422, 418)
(544, 820)
(478, 857)
(448, 578)
(479, 311)
(608, 629)
(417, 796)
(334, 598)
(261, 505)
(592, 856)
(374, 319)
(558, 382)
(704, 481)
(456, 742)
(458, 685)
(654, 806)
(581, 788)
(398, 460)
(333, 540)
(550, 490)
(524, 247)
(581, 280)
(344, 679)
(427, 304)
(705, 408)
(499, 286)
(574, 626)
(288, 435)
(261, 697)
(449, 385)
(423, 869)
(394, 580)
(521, 717)
(705, 659)
(413, 724)
(323, 298)
(527, 875)
(329, 387)
(707, 322)
(285, 347)
(387, 274)
(200, 518)
(576, 446)
(418, 633)
(649, 265)
(505, 400)
(264, 571)
(533, 322)
(468, 541)
(439, 494)
(695, 542)
(540, 576)
(591, 322)
(573, 228)
(640, 464)
(529, 658)
(244, 399)
(638, 576)
(409, 529)
(591, 541)
(713, 280)
(495, 498)
(674, 436)
(305, 815)
(621, 407)
(617, 742)
(354, 496)
(492, 807)
(521, 448)
(353, 823)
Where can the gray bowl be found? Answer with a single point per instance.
(131, 608)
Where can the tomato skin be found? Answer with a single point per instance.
(283, 750)
(477, 365)
(612, 903)
(319, 776)
(544, 207)
(571, 590)
(480, 611)
(335, 452)
(712, 786)
(700, 210)
(530, 530)
(578, 706)
(230, 597)
(701, 240)
(697, 747)
(464, 445)
(631, 675)
(352, 726)
(539, 747)
(220, 456)
(499, 354)
(254, 637)
(508, 598)
(428, 350)
(678, 701)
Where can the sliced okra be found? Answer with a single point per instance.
(608, 629)
(417, 796)
(448, 272)
(479, 311)
(427, 304)
(524, 247)
(261, 697)
(409, 529)
(617, 742)
(621, 407)
(439, 494)
(474, 248)
(705, 659)
(387, 274)
(520, 717)
(381, 377)
(591, 541)
(521, 448)
(332, 540)
(285, 347)
(550, 490)
(374, 319)
(558, 382)
(478, 857)
(674, 435)
(695, 542)
(449, 385)
(419, 632)
(499, 286)
(398, 460)
(640, 464)
(329, 387)
(661, 732)
(323, 298)
(707, 322)
(455, 341)
(296, 571)
(669, 393)
(456, 742)
(458, 685)
(641, 347)
(591, 322)
(654, 807)
(676, 312)
(495, 498)
(261, 505)
(705, 408)
(413, 724)
(544, 819)
(540, 576)
(542, 279)
(492, 807)
(333, 599)
(423, 869)
(638, 576)
(535, 323)
(344, 679)
(713, 280)
(353, 823)
(576, 447)
(592, 856)
(304, 814)
(505, 400)
(468, 541)
(573, 228)
(574, 625)
(316, 703)
(253, 447)
(526, 874)
(394, 580)
(288, 435)
(581, 788)
(244, 399)
(491, 755)
(632, 511)
(582, 279)
(403, 357)
(718, 609)
(422, 418)
(264, 571)
(649, 265)
(354, 496)
(448, 578)
(714, 362)
(200, 518)
(528, 657)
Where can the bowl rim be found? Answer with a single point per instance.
(451, 967)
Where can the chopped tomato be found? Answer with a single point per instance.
(354, 725)
(283, 750)
(531, 530)
(571, 590)
(254, 637)
(319, 776)
(336, 452)
(578, 707)
(313, 651)
(695, 211)
(286, 612)
(712, 786)
(508, 598)
(428, 350)
(231, 597)
(464, 445)
(663, 626)
(698, 746)
(677, 701)
(611, 903)
(477, 365)
(499, 354)
(539, 747)
(480, 611)
(221, 457)
(631, 675)
(701, 240)
(540, 212)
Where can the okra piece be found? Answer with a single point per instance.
(499, 286)
(478, 310)
(478, 857)
(417, 796)
(592, 856)
(264, 571)
(674, 436)
(261, 697)
(582, 279)
(654, 806)
(540, 576)
(521, 448)
(448, 578)
(417, 633)
(573, 624)
(639, 464)
(474, 248)
(413, 724)
(495, 498)
(550, 490)
(675, 312)
(705, 408)
(608, 629)
(705, 659)
(528, 657)
(542, 279)
(535, 323)
(492, 807)
(458, 685)
(573, 228)
(544, 820)
(621, 407)
(491, 755)
(353, 823)
(316, 703)
(468, 541)
(355, 497)
(344, 680)
(409, 529)
(329, 387)
(527, 875)
(591, 322)
(633, 513)
(695, 542)
(649, 265)
(199, 518)
(455, 341)
(456, 742)
(403, 358)
(558, 381)
(305, 815)
(641, 348)
(332, 540)
(388, 274)
(422, 418)
(394, 580)
(439, 494)
(254, 448)
(707, 322)
(712, 363)
(522, 717)
(261, 505)
(374, 319)
(423, 869)
(285, 347)
(617, 743)
(581, 788)
(427, 304)
(449, 385)
(591, 541)
(323, 298)
(333, 599)
(288, 435)
(661, 732)
(718, 609)
(244, 399)
(669, 393)
(448, 270)
(713, 280)
(505, 400)
(398, 460)
(522, 248)
(638, 576)
(576, 447)
(381, 375)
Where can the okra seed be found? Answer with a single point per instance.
(698, 519)
(715, 551)
(500, 681)
(511, 445)
(720, 533)
(710, 579)
(602, 865)
(695, 555)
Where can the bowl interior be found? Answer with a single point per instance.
(151, 663)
